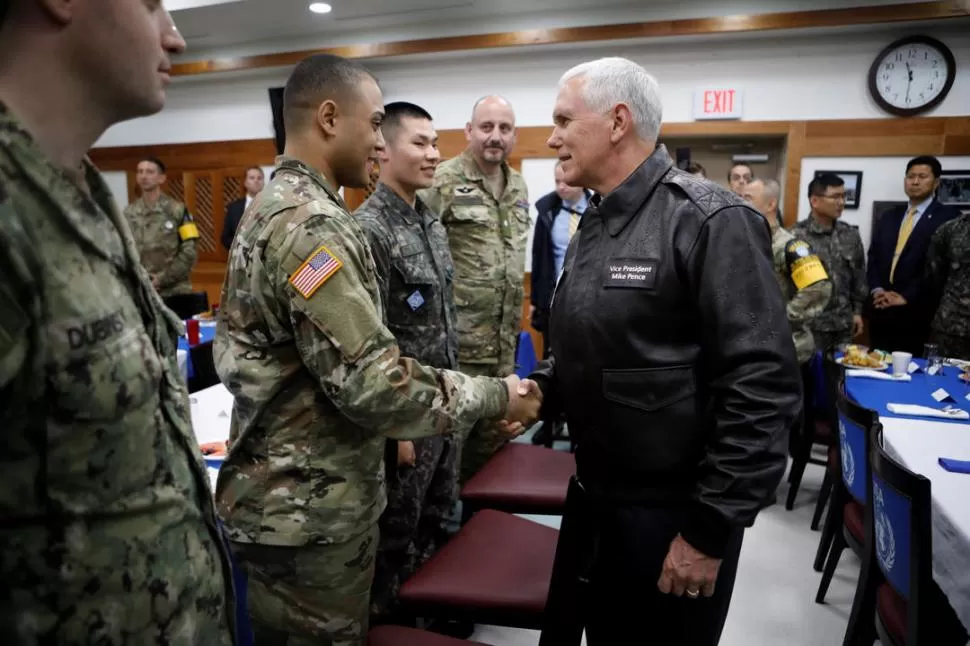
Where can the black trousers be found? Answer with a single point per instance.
(626, 607)
(899, 329)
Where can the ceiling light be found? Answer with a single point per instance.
(320, 7)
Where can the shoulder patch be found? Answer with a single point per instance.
(315, 271)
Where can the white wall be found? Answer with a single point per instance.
(882, 179)
(117, 181)
(783, 77)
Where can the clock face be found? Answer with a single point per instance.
(912, 75)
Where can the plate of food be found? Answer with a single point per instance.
(857, 356)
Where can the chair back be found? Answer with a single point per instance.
(186, 306)
(901, 519)
(203, 367)
(855, 425)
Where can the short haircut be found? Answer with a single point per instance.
(823, 182)
(316, 79)
(694, 169)
(396, 112)
(155, 160)
(733, 166)
(772, 187)
(926, 160)
(614, 80)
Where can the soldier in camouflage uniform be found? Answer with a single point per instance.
(484, 205)
(799, 271)
(414, 273)
(948, 267)
(164, 232)
(109, 534)
(318, 380)
(839, 245)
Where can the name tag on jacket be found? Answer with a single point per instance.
(631, 273)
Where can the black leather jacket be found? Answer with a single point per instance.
(672, 358)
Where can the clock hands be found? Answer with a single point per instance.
(909, 84)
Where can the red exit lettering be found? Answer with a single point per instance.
(718, 101)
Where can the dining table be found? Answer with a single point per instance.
(918, 442)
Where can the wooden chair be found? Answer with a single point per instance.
(851, 495)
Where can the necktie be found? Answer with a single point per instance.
(573, 220)
(905, 229)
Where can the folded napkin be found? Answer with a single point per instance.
(926, 411)
(875, 374)
(955, 466)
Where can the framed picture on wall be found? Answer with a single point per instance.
(879, 209)
(955, 189)
(853, 185)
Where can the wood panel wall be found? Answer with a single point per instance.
(207, 176)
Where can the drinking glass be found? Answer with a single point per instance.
(932, 353)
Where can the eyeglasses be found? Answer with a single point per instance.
(838, 197)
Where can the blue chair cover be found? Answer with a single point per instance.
(525, 356)
(892, 516)
(852, 438)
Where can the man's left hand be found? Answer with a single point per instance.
(857, 325)
(688, 571)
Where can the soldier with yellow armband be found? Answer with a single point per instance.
(801, 274)
(164, 232)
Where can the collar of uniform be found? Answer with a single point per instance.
(162, 202)
(398, 206)
(815, 227)
(474, 173)
(35, 165)
(622, 203)
(284, 162)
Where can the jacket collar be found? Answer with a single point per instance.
(398, 207)
(474, 173)
(294, 165)
(815, 227)
(624, 202)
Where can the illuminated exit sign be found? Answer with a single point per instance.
(718, 103)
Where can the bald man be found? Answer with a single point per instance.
(484, 205)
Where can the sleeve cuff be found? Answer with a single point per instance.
(497, 404)
(707, 532)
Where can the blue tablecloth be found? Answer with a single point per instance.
(874, 394)
(207, 332)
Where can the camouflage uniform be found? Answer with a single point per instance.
(948, 266)
(414, 274)
(318, 381)
(804, 283)
(109, 534)
(166, 238)
(487, 237)
(840, 249)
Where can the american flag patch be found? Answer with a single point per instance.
(313, 273)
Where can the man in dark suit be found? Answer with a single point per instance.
(901, 304)
(253, 184)
(559, 214)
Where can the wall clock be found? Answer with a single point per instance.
(912, 75)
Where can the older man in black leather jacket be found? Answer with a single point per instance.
(672, 362)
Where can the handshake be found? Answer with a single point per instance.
(525, 400)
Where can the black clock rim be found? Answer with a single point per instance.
(911, 40)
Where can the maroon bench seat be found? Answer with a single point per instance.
(521, 479)
(496, 570)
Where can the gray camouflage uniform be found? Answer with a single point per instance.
(318, 382)
(487, 236)
(948, 266)
(166, 238)
(109, 534)
(840, 249)
(414, 273)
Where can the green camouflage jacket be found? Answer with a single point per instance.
(166, 238)
(487, 239)
(318, 379)
(109, 534)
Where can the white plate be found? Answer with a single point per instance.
(882, 365)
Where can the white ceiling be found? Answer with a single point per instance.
(279, 25)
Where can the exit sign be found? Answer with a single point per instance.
(718, 103)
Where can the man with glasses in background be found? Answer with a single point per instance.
(839, 245)
(738, 177)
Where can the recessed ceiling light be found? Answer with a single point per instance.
(320, 7)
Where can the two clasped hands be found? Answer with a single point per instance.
(525, 400)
